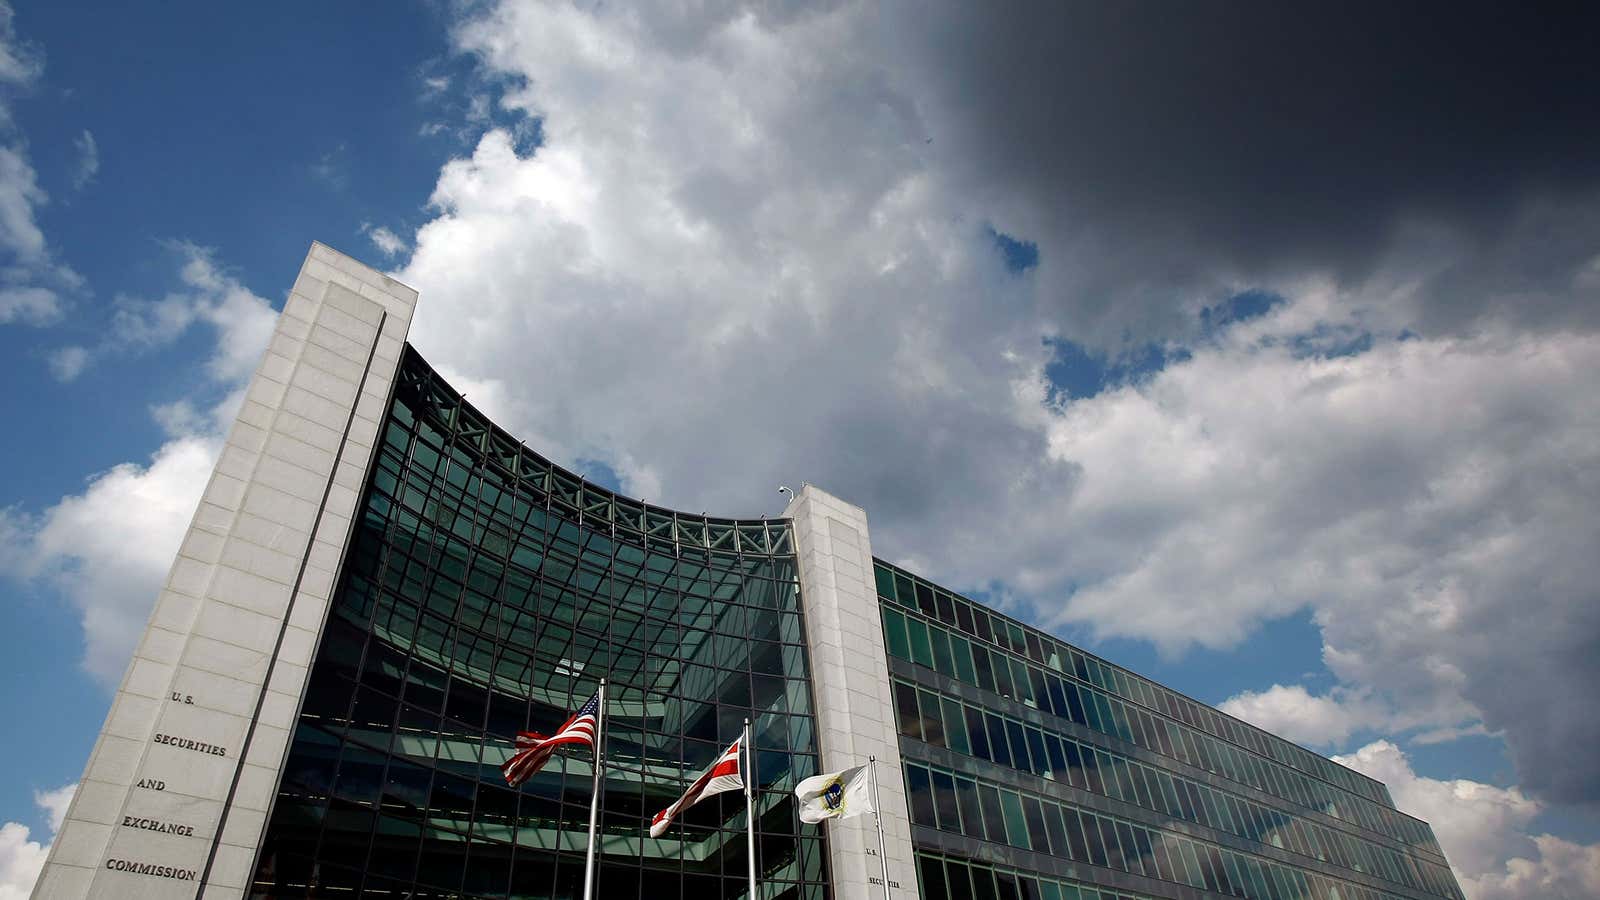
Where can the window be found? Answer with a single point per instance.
(931, 872)
(1041, 761)
(894, 632)
(932, 719)
(964, 616)
(1075, 766)
(1016, 822)
(921, 647)
(1019, 745)
(942, 660)
(962, 652)
(955, 733)
(1092, 836)
(1075, 836)
(997, 739)
(994, 821)
(985, 673)
(1131, 855)
(1037, 832)
(979, 738)
(944, 798)
(981, 620)
(919, 791)
(1054, 830)
(958, 881)
(971, 813)
(1058, 759)
(905, 705)
(1002, 674)
(885, 580)
(1114, 856)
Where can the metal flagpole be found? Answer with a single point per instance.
(877, 816)
(750, 805)
(594, 799)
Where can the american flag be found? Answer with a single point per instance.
(723, 775)
(534, 750)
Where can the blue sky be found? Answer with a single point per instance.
(238, 129)
(1213, 455)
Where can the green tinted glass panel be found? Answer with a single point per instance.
(962, 652)
(942, 661)
(903, 590)
(921, 648)
(1016, 822)
(894, 633)
(1019, 679)
(885, 581)
(955, 727)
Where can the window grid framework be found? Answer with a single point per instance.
(1231, 749)
(927, 715)
(988, 811)
(473, 607)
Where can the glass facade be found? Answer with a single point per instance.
(485, 592)
(1035, 770)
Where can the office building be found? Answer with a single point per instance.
(381, 587)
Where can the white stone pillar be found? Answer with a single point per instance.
(174, 800)
(850, 674)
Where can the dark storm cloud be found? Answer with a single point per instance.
(1271, 139)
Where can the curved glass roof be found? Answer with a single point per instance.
(595, 506)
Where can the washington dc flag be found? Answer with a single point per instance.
(724, 775)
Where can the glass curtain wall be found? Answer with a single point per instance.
(1021, 749)
(486, 592)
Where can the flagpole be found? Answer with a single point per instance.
(877, 816)
(750, 805)
(594, 798)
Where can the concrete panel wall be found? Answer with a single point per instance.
(174, 799)
(850, 672)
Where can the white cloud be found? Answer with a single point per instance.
(88, 160)
(736, 261)
(241, 322)
(31, 281)
(55, 804)
(108, 548)
(333, 168)
(19, 194)
(1429, 500)
(30, 305)
(387, 242)
(67, 363)
(1483, 830)
(21, 858)
(1560, 869)
(1292, 712)
(21, 63)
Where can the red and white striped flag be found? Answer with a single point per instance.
(724, 775)
(534, 750)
